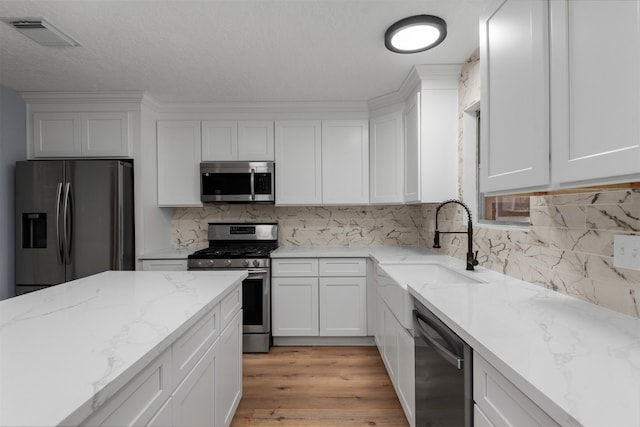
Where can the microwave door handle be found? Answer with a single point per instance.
(253, 184)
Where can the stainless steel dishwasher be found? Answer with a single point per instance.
(443, 373)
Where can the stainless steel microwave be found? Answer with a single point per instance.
(237, 182)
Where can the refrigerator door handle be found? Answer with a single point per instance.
(118, 246)
(59, 243)
(66, 226)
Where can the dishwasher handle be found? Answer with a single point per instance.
(420, 323)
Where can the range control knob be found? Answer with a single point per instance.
(227, 262)
(256, 263)
(245, 263)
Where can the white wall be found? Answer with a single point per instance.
(13, 140)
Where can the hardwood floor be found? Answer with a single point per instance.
(317, 386)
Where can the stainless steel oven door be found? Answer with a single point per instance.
(256, 301)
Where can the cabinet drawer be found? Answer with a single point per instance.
(230, 305)
(341, 267)
(164, 265)
(138, 401)
(298, 267)
(190, 347)
(502, 402)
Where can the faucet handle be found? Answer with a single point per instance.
(475, 258)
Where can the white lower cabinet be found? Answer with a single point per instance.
(343, 310)
(295, 306)
(193, 400)
(319, 297)
(480, 419)
(164, 417)
(396, 346)
(228, 376)
(500, 403)
(136, 403)
(195, 382)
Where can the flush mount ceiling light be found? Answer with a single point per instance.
(415, 34)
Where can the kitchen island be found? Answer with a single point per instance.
(67, 352)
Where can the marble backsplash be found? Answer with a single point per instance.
(306, 226)
(568, 248)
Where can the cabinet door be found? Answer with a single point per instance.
(194, 399)
(295, 306)
(228, 383)
(379, 334)
(179, 163)
(255, 140)
(501, 401)
(57, 135)
(411, 118)
(345, 162)
(298, 160)
(219, 140)
(105, 134)
(390, 348)
(406, 384)
(386, 159)
(595, 93)
(439, 141)
(343, 306)
(515, 96)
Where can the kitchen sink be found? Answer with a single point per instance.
(393, 279)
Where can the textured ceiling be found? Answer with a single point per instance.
(221, 51)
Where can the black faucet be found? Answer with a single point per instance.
(472, 259)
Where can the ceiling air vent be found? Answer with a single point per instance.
(41, 31)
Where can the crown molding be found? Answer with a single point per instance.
(83, 97)
(415, 77)
(262, 107)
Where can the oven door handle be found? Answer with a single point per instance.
(256, 272)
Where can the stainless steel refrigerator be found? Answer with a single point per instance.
(74, 218)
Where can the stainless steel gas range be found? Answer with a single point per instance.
(245, 246)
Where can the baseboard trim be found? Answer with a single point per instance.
(339, 341)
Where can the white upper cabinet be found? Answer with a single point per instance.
(345, 162)
(231, 140)
(515, 96)
(73, 134)
(298, 162)
(255, 140)
(439, 140)
(595, 89)
(411, 119)
(219, 140)
(57, 134)
(179, 163)
(386, 159)
(322, 162)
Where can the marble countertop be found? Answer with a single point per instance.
(64, 350)
(579, 362)
(378, 253)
